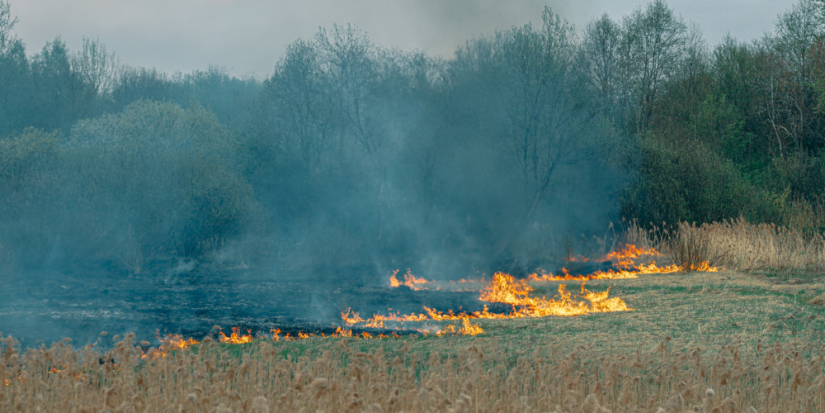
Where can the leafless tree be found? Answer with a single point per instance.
(600, 53)
(296, 105)
(347, 58)
(536, 86)
(7, 23)
(652, 49)
(96, 67)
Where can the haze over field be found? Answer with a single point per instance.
(249, 36)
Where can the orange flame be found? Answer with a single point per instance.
(236, 337)
(624, 260)
(505, 289)
(410, 280)
(502, 288)
(176, 341)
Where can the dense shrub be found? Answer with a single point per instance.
(685, 181)
(152, 183)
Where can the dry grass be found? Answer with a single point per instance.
(756, 342)
(752, 341)
(738, 245)
(723, 328)
(336, 376)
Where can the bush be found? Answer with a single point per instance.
(154, 183)
(28, 181)
(685, 182)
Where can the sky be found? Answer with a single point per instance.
(247, 37)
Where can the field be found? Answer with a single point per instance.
(726, 341)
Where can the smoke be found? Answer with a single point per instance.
(355, 161)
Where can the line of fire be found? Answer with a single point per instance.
(504, 291)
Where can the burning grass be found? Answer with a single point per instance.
(696, 341)
(505, 289)
(753, 341)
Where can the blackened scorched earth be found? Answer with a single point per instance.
(38, 308)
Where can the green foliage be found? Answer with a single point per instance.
(685, 182)
(801, 174)
(171, 171)
(151, 184)
(721, 126)
(22, 158)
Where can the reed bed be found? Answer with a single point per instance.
(736, 245)
(341, 375)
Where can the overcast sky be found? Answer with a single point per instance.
(248, 36)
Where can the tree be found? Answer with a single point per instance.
(136, 84)
(786, 80)
(796, 32)
(347, 57)
(547, 128)
(6, 25)
(652, 49)
(297, 114)
(96, 67)
(61, 95)
(600, 52)
(15, 77)
(228, 97)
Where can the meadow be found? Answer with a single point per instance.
(727, 341)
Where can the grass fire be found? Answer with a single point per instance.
(479, 360)
(434, 206)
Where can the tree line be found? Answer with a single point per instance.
(352, 155)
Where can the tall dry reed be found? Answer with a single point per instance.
(737, 245)
(336, 376)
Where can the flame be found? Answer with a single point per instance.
(410, 280)
(468, 329)
(339, 332)
(625, 256)
(502, 288)
(354, 319)
(236, 337)
(624, 260)
(176, 341)
(394, 281)
(169, 343)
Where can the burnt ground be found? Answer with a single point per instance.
(38, 309)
